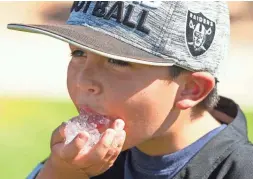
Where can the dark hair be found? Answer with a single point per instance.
(211, 99)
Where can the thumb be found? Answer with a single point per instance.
(58, 134)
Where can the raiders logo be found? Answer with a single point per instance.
(200, 33)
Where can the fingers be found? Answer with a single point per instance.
(104, 164)
(119, 140)
(71, 150)
(114, 151)
(105, 152)
(116, 147)
(118, 126)
(58, 134)
(101, 148)
(109, 142)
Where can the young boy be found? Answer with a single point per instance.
(152, 68)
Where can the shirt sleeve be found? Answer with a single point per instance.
(35, 171)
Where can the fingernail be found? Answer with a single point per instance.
(120, 124)
(81, 136)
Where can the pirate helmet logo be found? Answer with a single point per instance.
(200, 33)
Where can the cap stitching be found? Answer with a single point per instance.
(172, 25)
(163, 31)
(215, 69)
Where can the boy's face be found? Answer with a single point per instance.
(141, 95)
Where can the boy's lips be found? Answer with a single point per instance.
(101, 121)
(83, 109)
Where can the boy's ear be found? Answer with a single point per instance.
(195, 87)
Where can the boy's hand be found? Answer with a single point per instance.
(66, 161)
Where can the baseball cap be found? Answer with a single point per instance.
(193, 35)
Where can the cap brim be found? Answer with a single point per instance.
(96, 42)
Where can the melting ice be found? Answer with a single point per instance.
(88, 123)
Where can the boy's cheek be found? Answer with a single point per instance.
(137, 125)
(144, 117)
(71, 88)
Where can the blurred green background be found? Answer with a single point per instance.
(33, 94)
(26, 130)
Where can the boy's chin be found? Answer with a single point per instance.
(128, 145)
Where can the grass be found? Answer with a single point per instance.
(26, 126)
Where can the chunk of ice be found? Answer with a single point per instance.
(88, 123)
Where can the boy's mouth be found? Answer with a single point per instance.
(94, 117)
(85, 110)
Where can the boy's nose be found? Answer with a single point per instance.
(87, 83)
(89, 86)
(87, 79)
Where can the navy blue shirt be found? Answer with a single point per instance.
(138, 165)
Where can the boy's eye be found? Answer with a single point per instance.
(118, 62)
(78, 53)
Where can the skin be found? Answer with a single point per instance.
(153, 109)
